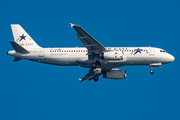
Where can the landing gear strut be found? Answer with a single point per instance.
(152, 72)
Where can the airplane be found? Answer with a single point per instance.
(101, 60)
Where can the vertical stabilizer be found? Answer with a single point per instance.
(22, 38)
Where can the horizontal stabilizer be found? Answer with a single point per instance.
(16, 59)
(18, 48)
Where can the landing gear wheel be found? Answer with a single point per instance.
(93, 65)
(152, 72)
(96, 78)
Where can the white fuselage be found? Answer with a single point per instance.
(78, 56)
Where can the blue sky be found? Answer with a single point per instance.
(30, 90)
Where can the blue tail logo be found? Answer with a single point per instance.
(21, 38)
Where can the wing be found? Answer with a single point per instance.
(90, 75)
(89, 42)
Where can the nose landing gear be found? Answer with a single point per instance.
(152, 72)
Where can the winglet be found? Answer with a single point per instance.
(80, 79)
(72, 25)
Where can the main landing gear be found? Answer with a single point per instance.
(93, 65)
(96, 66)
(152, 72)
(95, 78)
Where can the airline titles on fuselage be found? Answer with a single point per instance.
(135, 51)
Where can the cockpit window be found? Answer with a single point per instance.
(163, 51)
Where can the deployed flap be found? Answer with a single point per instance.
(89, 42)
(18, 48)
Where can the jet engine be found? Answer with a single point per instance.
(115, 74)
(114, 55)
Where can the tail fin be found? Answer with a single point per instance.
(22, 38)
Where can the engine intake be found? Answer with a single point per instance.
(115, 74)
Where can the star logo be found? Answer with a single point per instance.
(22, 37)
(137, 50)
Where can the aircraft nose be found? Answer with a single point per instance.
(172, 58)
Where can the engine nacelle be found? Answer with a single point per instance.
(115, 74)
(114, 55)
